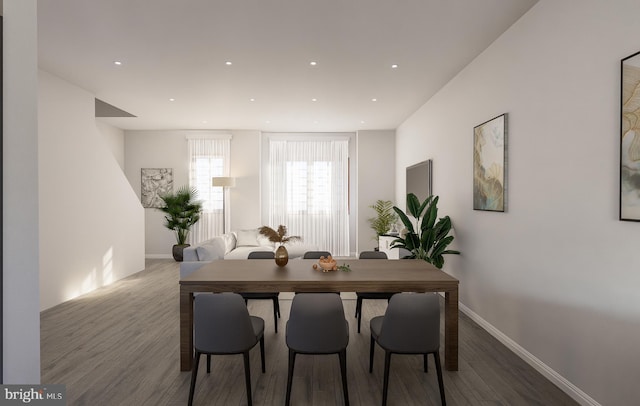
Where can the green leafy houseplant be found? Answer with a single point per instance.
(385, 217)
(181, 212)
(429, 239)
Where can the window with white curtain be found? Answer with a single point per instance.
(208, 157)
(309, 191)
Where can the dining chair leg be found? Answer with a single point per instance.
(275, 316)
(385, 385)
(194, 373)
(262, 353)
(276, 305)
(343, 369)
(208, 363)
(426, 363)
(358, 306)
(359, 320)
(436, 355)
(247, 376)
(292, 361)
(371, 350)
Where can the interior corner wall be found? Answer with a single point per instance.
(114, 137)
(168, 149)
(557, 273)
(376, 180)
(91, 222)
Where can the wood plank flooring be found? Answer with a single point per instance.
(119, 346)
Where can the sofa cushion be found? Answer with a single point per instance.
(263, 241)
(247, 238)
(243, 252)
(211, 249)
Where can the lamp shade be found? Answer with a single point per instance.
(224, 181)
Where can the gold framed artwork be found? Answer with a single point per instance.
(489, 164)
(630, 138)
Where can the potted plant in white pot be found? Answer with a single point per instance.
(181, 212)
(385, 218)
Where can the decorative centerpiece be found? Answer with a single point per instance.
(280, 237)
(329, 264)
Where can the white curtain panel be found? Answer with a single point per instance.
(209, 157)
(309, 191)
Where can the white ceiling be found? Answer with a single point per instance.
(178, 49)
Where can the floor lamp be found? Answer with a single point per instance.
(224, 182)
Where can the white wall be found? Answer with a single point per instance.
(91, 222)
(20, 296)
(557, 273)
(376, 180)
(168, 149)
(245, 198)
(114, 137)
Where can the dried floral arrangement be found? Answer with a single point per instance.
(279, 236)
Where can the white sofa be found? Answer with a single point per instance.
(235, 245)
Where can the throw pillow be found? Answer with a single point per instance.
(247, 238)
(229, 242)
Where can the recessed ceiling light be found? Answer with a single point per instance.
(117, 63)
(252, 99)
(361, 121)
(228, 63)
(314, 99)
(268, 122)
(394, 66)
(204, 121)
(374, 100)
(172, 99)
(313, 63)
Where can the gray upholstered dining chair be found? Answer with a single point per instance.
(316, 254)
(411, 325)
(273, 296)
(317, 325)
(222, 325)
(360, 296)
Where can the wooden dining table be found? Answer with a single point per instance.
(299, 275)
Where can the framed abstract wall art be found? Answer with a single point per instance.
(630, 138)
(155, 183)
(489, 164)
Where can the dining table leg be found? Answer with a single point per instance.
(186, 329)
(451, 330)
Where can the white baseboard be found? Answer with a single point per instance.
(158, 256)
(561, 382)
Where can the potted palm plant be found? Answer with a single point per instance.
(181, 212)
(429, 239)
(385, 217)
